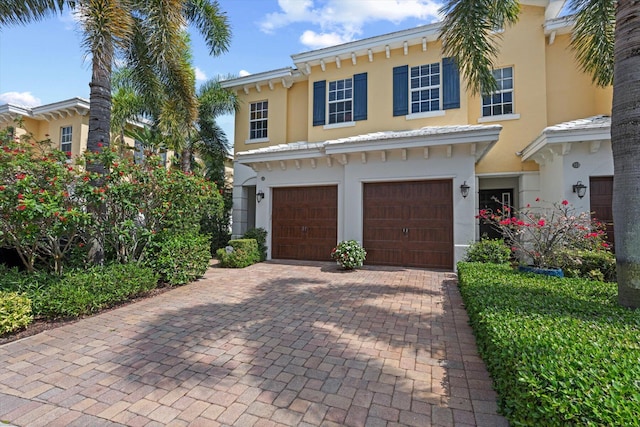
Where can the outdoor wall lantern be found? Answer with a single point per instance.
(259, 196)
(580, 189)
(464, 189)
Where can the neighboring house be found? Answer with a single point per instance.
(375, 140)
(65, 123)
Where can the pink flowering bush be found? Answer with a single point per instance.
(540, 235)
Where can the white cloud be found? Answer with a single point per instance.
(343, 20)
(23, 99)
(316, 41)
(70, 19)
(243, 73)
(200, 75)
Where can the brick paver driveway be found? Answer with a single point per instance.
(273, 344)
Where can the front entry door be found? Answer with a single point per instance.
(493, 200)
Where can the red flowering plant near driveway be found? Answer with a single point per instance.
(537, 235)
(38, 215)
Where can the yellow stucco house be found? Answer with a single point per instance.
(377, 140)
(65, 123)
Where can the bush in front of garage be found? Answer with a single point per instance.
(239, 253)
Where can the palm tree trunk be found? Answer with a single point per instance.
(185, 158)
(625, 142)
(99, 135)
(100, 101)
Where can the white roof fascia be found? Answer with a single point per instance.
(61, 105)
(562, 25)
(258, 78)
(377, 44)
(454, 137)
(15, 110)
(553, 137)
(247, 157)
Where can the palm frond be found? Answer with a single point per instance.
(25, 11)
(212, 23)
(469, 34)
(593, 38)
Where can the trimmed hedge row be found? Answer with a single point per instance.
(561, 351)
(77, 293)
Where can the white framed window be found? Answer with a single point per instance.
(425, 88)
(258, 120)
(341, 101)
(66, 138)
(500, 102)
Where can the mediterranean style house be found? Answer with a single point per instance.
(65, 123)
(377, 140)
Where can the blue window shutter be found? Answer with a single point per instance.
(319, 102)
(450, 84)
(360, 96)
(401, 90)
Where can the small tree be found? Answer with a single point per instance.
(39, 214)
(538, 235)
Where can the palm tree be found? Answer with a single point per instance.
(111, 27)
(606, 39)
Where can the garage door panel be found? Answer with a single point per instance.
(304, 222)
(409, 223)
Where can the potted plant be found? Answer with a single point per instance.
(349, 254)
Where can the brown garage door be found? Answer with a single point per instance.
(601, 194)
(304, 222)
(409, 223)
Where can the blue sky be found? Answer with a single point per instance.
(44, 62)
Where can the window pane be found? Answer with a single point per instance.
(508, 109)
(486, 111)
(507, 72)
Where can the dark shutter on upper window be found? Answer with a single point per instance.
(450, 84)
(319, 102)
(401, 90)
(360, 97)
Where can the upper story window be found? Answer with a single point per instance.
(500, 102)
(259, 114)
(66, 137)
(425, 88)
(345, 100)
(340, 101)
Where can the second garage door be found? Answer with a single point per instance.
(304, 222)
(409, 223)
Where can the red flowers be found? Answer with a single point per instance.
(100, 144)
(565, 202)
(20, 196)
(537, 199)
(20, 176)
(2, 187)
(541, 223)
(21, 207)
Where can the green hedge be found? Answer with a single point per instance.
(596, 265)
(489, 250)
(180, 258)
(560, 351)
(239, 254)
(83, 292)
(15, 312)
(260, 234)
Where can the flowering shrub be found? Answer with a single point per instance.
(538, 235)
(39, 215)
(349, 254)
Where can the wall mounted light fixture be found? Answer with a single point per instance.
(464, 189)
(259, 196)
(580, 189)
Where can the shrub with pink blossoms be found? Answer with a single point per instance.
(538, 235)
